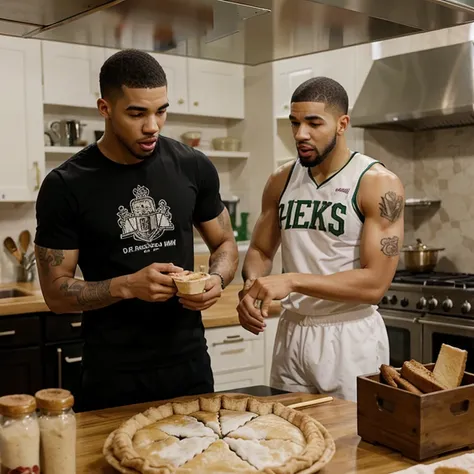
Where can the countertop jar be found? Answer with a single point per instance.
(57, 422)
(19, 435)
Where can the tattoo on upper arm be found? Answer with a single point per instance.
(50, 258)
(89, 295)
(390, 246)
(223, 222)
(391, 206)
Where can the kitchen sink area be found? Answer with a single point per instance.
(12, 293)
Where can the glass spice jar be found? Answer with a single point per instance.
(19, 435)
(57, 422)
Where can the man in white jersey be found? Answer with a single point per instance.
(338, 216)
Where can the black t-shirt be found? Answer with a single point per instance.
(122, 218)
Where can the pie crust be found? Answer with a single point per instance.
(219, 434)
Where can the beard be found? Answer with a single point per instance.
(320, 156)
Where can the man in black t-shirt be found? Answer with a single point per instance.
(122, 209)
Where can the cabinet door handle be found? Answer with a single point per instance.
(73, 360)
(38, 175)
(76, 325)
(196, 104)
(8, 333)
(229, 341)
(59, 352)
(181, 101)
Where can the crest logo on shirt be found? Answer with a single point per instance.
(144, 221)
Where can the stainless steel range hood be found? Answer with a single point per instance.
(242, 31)
(424, 90)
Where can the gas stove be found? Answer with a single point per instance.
(448, 294)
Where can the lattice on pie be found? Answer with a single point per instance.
(219, 434)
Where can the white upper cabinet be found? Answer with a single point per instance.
(71, 74)
(215, 89)
(21, 133)
(288, 75)
(339, 64)
(175, 68)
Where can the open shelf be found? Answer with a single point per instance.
(70, 150)
(225, 154)
(425, 202)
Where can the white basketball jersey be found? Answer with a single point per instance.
(321, 227)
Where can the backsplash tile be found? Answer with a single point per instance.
(437, 164)
(444, 169)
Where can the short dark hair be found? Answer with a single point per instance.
(325, 90)
(131, 68)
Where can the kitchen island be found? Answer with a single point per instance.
(340, 417)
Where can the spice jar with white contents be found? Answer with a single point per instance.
(57, 423)
(19, 435)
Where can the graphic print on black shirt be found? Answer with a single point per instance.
(145, 221)
(123, 218)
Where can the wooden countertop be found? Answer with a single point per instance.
(340, 417)
(223, 313)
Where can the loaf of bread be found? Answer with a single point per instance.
(389, 374)
(421, 377)
(450, 366)
(394, 379)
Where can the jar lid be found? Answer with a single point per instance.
(15, 405)
(54, 399)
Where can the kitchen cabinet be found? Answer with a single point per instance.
(196, 86)
(238, 357)
(175, 68)
(287, 76)
(21, 139)
(40, 350)
(20, 355)
(215, 89)
(71, 74)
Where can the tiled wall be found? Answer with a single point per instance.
(444, 168)
(436, 164)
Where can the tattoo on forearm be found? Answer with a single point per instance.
(390, 246)
(89, 295)
(49, 258)
(391, 206)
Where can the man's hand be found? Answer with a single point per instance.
(212, 293)
(254, 305)
(152, 283)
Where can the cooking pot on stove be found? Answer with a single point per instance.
(420, 257)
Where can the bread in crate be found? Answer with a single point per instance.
(419, 410)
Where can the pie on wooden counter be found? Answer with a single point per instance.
(220, 435)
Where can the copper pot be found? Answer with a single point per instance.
(420, 258)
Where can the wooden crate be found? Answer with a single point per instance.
(419, 426)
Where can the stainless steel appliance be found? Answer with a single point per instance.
(424, 310)
(227, 30)
(423, 95)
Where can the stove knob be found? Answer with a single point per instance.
(393, 299)
(466, 307)
(404, 302)
(447, 304)
(385, 300)
(421, 303)
(432, 303)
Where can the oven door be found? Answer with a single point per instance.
(404, 335)
(456, 332)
